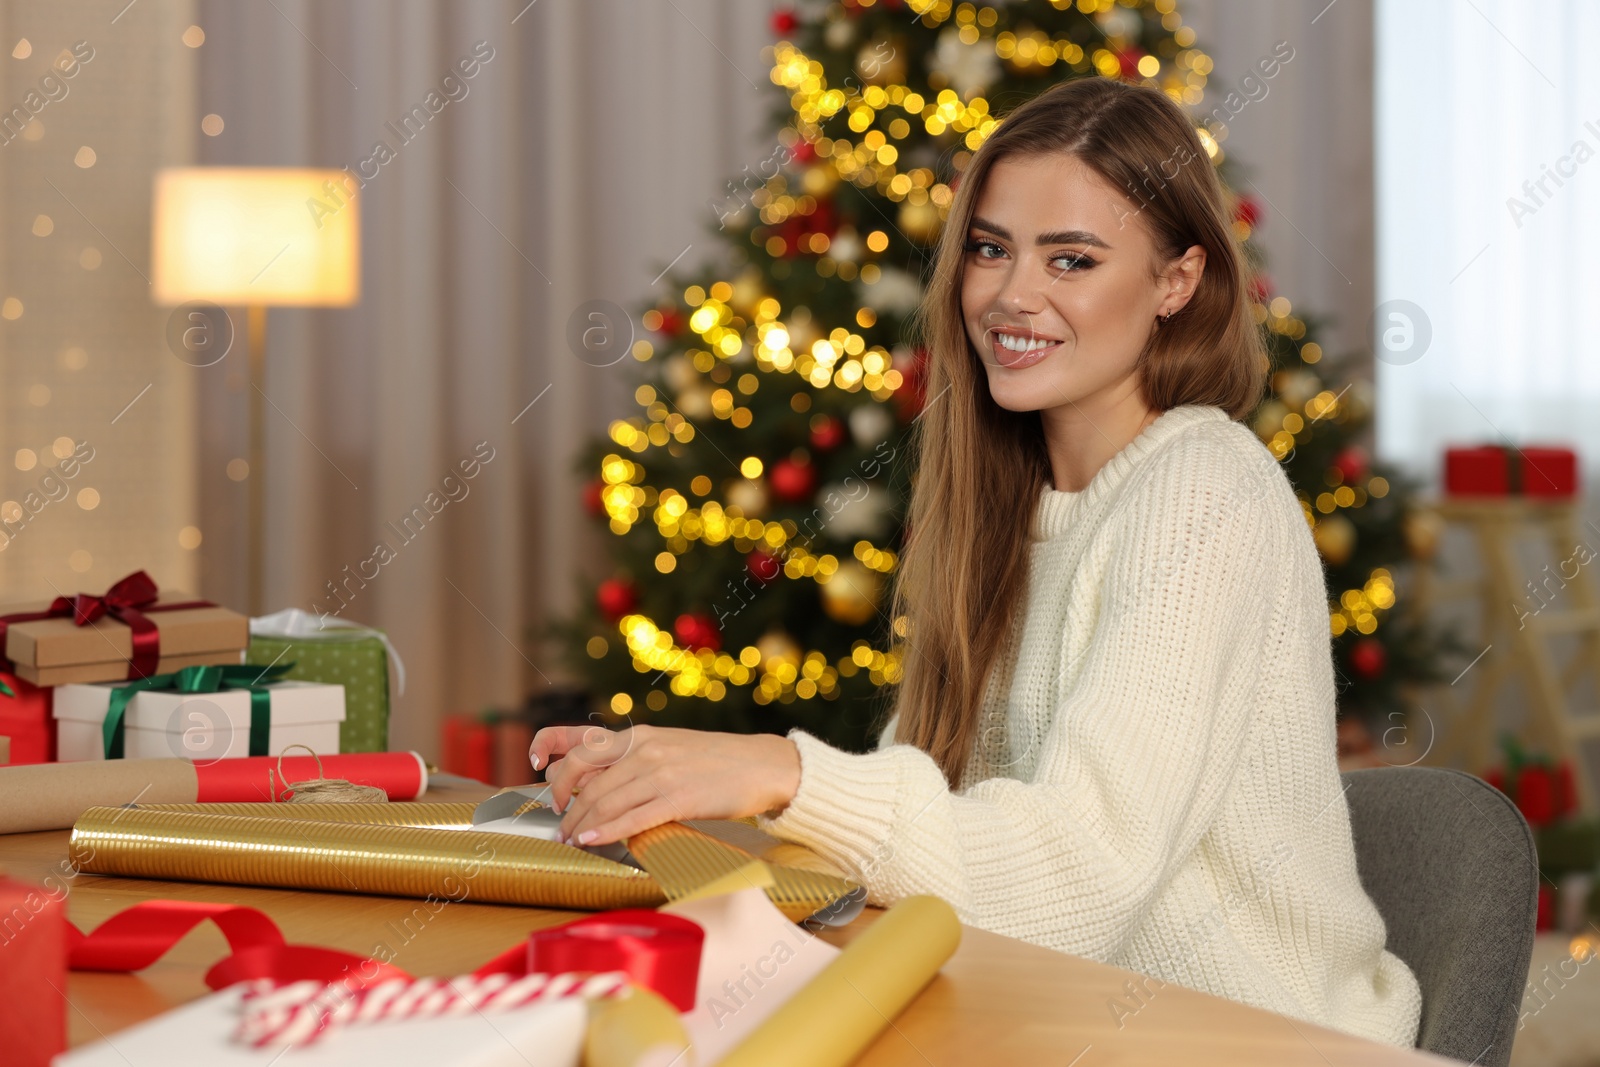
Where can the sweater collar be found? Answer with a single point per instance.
(1053, 512)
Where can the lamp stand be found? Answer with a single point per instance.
(257, 479)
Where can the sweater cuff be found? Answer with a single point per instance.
(845, 804)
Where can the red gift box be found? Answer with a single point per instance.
(25, 719)
(33, 972)
(1549, 472)
(1496, 470)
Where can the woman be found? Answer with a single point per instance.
(1115, 731)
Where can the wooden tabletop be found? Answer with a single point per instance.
(997, 1001)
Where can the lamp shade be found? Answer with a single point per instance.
(258, 236)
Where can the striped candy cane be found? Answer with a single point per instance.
(298, 1013)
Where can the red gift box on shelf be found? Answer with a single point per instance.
(1498, 470)
(25, 720)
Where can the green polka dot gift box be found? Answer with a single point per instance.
(336, 652)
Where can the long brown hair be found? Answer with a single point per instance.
(980, 468)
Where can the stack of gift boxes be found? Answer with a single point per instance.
(138, 672)
(1498, 470)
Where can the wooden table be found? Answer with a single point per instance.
(997, 1001)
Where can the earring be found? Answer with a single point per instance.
(1167, 317)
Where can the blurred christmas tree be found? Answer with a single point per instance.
(757, 501)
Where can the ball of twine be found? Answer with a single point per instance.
(320, 790)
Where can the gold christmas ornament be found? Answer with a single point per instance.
(819, 179)
(748, 495)
(882, 61)
(1422, 528)
(1295, 386)
(920, 222)
(748, 290)
(777, 647)
(851, 595)
(1269, 420)
(1335, 536)
(695, 402)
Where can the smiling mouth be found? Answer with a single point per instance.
(1016, 349)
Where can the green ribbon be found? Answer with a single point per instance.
(209, 679)
(6, 689)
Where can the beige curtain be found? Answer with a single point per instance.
(1304, 139)
(573, 165)
(85, 374)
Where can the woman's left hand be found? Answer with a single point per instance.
(630, 780)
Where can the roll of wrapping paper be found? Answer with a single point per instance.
(402, 861)
(402, 813)
(50, 796)
(836, 1015)
(402, 775)
(684, 860)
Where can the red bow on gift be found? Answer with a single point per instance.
(127, 601)
(121, 601)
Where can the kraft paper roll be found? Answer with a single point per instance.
(50, 796)
(841, 1011)
(399, 813)
(402, 861)
(638, 1030)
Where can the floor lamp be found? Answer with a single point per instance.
(255, 237)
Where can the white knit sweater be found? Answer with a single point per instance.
(1154, 783)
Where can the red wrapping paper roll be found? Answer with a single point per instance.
(654, 949)
(402, 775)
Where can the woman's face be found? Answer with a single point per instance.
(1058, 291)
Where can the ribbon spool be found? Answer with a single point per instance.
(655, 949)
(320, 790)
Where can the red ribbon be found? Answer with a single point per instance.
(127, 601)
(657, 950)
(133, 939)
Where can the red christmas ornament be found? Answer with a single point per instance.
(1260, 287)
(824, 220)
(591, 499)
(763, 566)
(1496, 776)
(914, 376)
(791, 482)
(616, 597)
(784, 22)
(1247, 211)
(1368, 658)
(671, 322)
(804, 152)
(1536, 795)
(1566, 790)
(1351, 463)
(696, 630)
(827, 434)
(1129, 60)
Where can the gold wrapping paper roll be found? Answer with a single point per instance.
(402, 861)
(638, 1030)
(684, 858)
(397, 813)
(838, 1013)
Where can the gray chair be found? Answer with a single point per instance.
(1450, 864)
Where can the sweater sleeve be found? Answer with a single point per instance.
(1145, 740)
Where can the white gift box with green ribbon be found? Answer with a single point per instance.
(166, 723)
